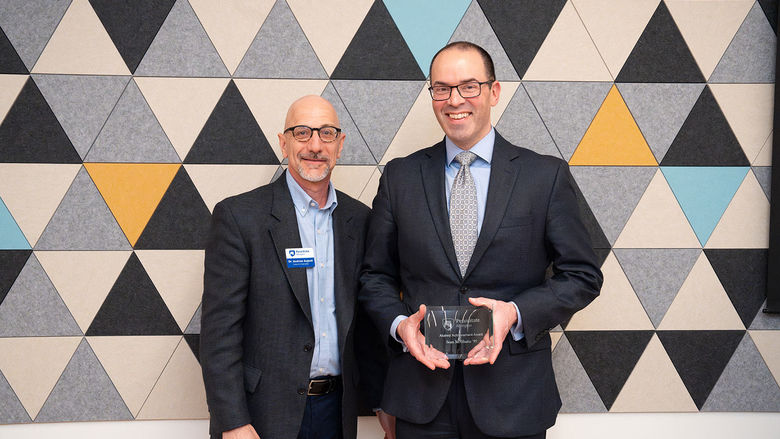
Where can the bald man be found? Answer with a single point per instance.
(278, 333)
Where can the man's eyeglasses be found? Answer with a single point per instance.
(469, 89)
(303, 133)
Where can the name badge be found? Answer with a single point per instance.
(299, 257)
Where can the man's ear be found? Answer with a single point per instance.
(282, 144)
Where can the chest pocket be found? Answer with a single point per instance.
(517, 221)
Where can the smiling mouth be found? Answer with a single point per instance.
(458, 116)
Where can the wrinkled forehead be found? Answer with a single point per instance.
(313, 111)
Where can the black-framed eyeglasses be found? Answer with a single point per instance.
(469, 89)
(303, 133)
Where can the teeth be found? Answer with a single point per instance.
(458, 115)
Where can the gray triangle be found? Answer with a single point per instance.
(81, 103)
(612, 192)
(567, 109)
(132, 134)
(355, 150)
(764, 320)
(11, 410)
(659, 110)
(278, 172)
(34, 308)
(194, 326)
(751, 55)
(280, 50)
(475, 28)
(378, 123)
(656, 275)
(182, 48)
(746, 385)
(84, 392)
(83, 221)
(577, 392)
(764, 176)
(29, 24)
(521, 125)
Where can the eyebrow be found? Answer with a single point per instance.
(461, 82)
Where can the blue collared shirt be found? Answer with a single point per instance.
(480, 170)
(315, 226)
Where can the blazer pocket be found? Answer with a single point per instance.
(521, 347)
(516, 221)
(252, 377)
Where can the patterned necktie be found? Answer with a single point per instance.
(463, 211)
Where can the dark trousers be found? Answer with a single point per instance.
(454, 421)
(322, 417)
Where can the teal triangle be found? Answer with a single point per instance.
(704, 193)
(11, 236)
(424, 35)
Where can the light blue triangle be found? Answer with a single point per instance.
(426, 26)
(704, 193)
(11, 236)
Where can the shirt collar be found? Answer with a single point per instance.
(483, 149)
(303, 202)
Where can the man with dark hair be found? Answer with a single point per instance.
(474, 220)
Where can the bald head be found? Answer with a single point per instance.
(310, 109)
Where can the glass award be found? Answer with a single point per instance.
(456, 330)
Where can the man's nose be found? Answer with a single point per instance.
(455, 97)
(315, 144)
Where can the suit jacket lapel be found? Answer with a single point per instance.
(285, 235)
(435, 193)
(503, 173)
(344, 242)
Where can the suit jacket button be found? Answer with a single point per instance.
(301, 391)
(464, 290)
(306, 347)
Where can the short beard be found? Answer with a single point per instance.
(313, 178)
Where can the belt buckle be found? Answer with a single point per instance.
(319, 382)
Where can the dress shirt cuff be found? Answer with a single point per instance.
(517, 329)
(394, 327)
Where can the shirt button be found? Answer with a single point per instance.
(322, 299)
(306, 347)
(324, 334)
(322, 264)
(312, 204)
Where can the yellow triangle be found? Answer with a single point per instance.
(81, 45)
(654, 385)
(613, 138)
(132, 191)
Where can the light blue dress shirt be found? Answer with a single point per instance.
(480, 170)
(315, 226)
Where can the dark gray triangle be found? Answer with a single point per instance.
(132, 134)
(474, 27)
(521, 125)
(82, 221)
(612, 192)
(378, 124)
(355, 150)
(765, 320)
(84, 392)
(577, 392)
(567, 109)
(743, 274)
(656, 275)
(280, 50)
(81, 103)
(751, 55)
(598, 239)
(659, 110)
(9, 59)
(12, 262)
(770, 10)
(194, 326)
(764, 176)
(193, 341)
(29, 24)
(746, 384)
(34, 308)
(182, 48)
(11, 410)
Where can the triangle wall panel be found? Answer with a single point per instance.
(768, 345)
(10, 86)
(521, 125)
(132, 26)
(12, 261)
(217, 182)
(419, 130)
(577, 392)
(279, 41)
(11, 236)
(328, 41)
(30, 24)
(32, 366)
(232, 25)
(80, 45)
(743, 274)
(13, 411)
(745, 223)
(371, 188)
(355, 150)
(750, 57)
(352, 179)
(770, 10)
(10, 63)
(748, 109)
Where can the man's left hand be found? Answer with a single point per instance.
(504, 317)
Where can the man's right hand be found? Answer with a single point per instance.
(243, 432)
(409, 331)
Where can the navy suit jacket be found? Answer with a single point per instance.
(531, 221)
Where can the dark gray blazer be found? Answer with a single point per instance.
(257, 336)
(531, 220)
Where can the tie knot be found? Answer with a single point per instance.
(465, 158)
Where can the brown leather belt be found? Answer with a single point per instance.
(323, 385)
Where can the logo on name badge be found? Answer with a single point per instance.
(300, 257)
(292, 253)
